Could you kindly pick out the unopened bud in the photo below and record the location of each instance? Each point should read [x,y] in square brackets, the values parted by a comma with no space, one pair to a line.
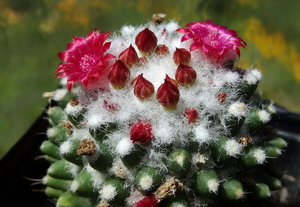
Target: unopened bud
[181,55]
[161,50]
[168,94]
[146,41]
[143,89]
[118,74]
[192,115]
[185,75]
[129,57]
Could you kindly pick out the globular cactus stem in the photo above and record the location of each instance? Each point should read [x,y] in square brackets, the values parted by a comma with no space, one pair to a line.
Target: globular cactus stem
[158,115]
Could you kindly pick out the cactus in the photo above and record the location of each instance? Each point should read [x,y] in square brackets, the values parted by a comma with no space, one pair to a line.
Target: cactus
[158,115]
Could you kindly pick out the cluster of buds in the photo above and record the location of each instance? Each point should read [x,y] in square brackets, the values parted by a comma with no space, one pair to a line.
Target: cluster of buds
[160,116]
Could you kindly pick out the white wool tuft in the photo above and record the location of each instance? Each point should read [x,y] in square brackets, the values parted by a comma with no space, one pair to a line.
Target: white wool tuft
[202,134]
[108,192]
[74,186]
[97,177]
[271,108]
[238,109]
[233,148]
[146,182]
[72,110]
[59,94]
[65,147]
[252,76]
[264,116]
[124,147]
[259,155]
[213,185]
[51,132]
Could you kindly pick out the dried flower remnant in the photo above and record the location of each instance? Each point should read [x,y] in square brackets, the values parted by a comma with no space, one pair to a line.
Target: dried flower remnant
[86,147]
[215,41]
[141,132]
[85,60]
[146,41]
[158,19]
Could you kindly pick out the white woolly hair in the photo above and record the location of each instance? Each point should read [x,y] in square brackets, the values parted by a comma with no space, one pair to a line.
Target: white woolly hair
[146,182]
[108,192]
[264,116]
[51,132]
[259,155]
[74,186]
[252,76]
[213,185]
[238,109]
[124,147]
[59,94]
[97,177]
[233,148]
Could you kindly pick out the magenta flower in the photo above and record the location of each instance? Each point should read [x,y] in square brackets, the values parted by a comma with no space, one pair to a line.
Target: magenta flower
[215,41]
[85,60]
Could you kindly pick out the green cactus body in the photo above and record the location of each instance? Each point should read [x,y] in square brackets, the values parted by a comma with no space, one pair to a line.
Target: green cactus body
[146,118]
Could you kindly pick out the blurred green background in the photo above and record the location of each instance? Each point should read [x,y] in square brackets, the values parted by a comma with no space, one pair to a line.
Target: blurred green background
[32,32]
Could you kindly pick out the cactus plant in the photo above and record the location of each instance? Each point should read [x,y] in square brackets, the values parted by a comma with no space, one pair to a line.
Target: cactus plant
[159,115]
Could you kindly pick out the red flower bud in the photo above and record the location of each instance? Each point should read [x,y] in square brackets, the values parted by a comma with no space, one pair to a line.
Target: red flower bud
[181,55]
[185,75]
[143,60]
[141,132]
[146,41]
[222,97]
[143,89]
[111,107]
[161,50]
[168,94]
[148,201]
[192,115]
[171,80]
[129,56]
[118,74]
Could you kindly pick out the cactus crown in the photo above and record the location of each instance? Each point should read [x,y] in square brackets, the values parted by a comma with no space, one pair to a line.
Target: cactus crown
[153,117]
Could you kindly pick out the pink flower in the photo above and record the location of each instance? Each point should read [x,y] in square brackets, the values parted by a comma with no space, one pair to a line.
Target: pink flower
[215,41]
[85,60]
[141,132]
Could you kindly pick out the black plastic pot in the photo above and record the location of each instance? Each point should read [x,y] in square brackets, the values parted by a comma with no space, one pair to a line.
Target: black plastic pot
[22,162]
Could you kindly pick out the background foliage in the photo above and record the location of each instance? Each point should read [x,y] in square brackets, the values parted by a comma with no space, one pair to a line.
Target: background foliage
[32,32]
